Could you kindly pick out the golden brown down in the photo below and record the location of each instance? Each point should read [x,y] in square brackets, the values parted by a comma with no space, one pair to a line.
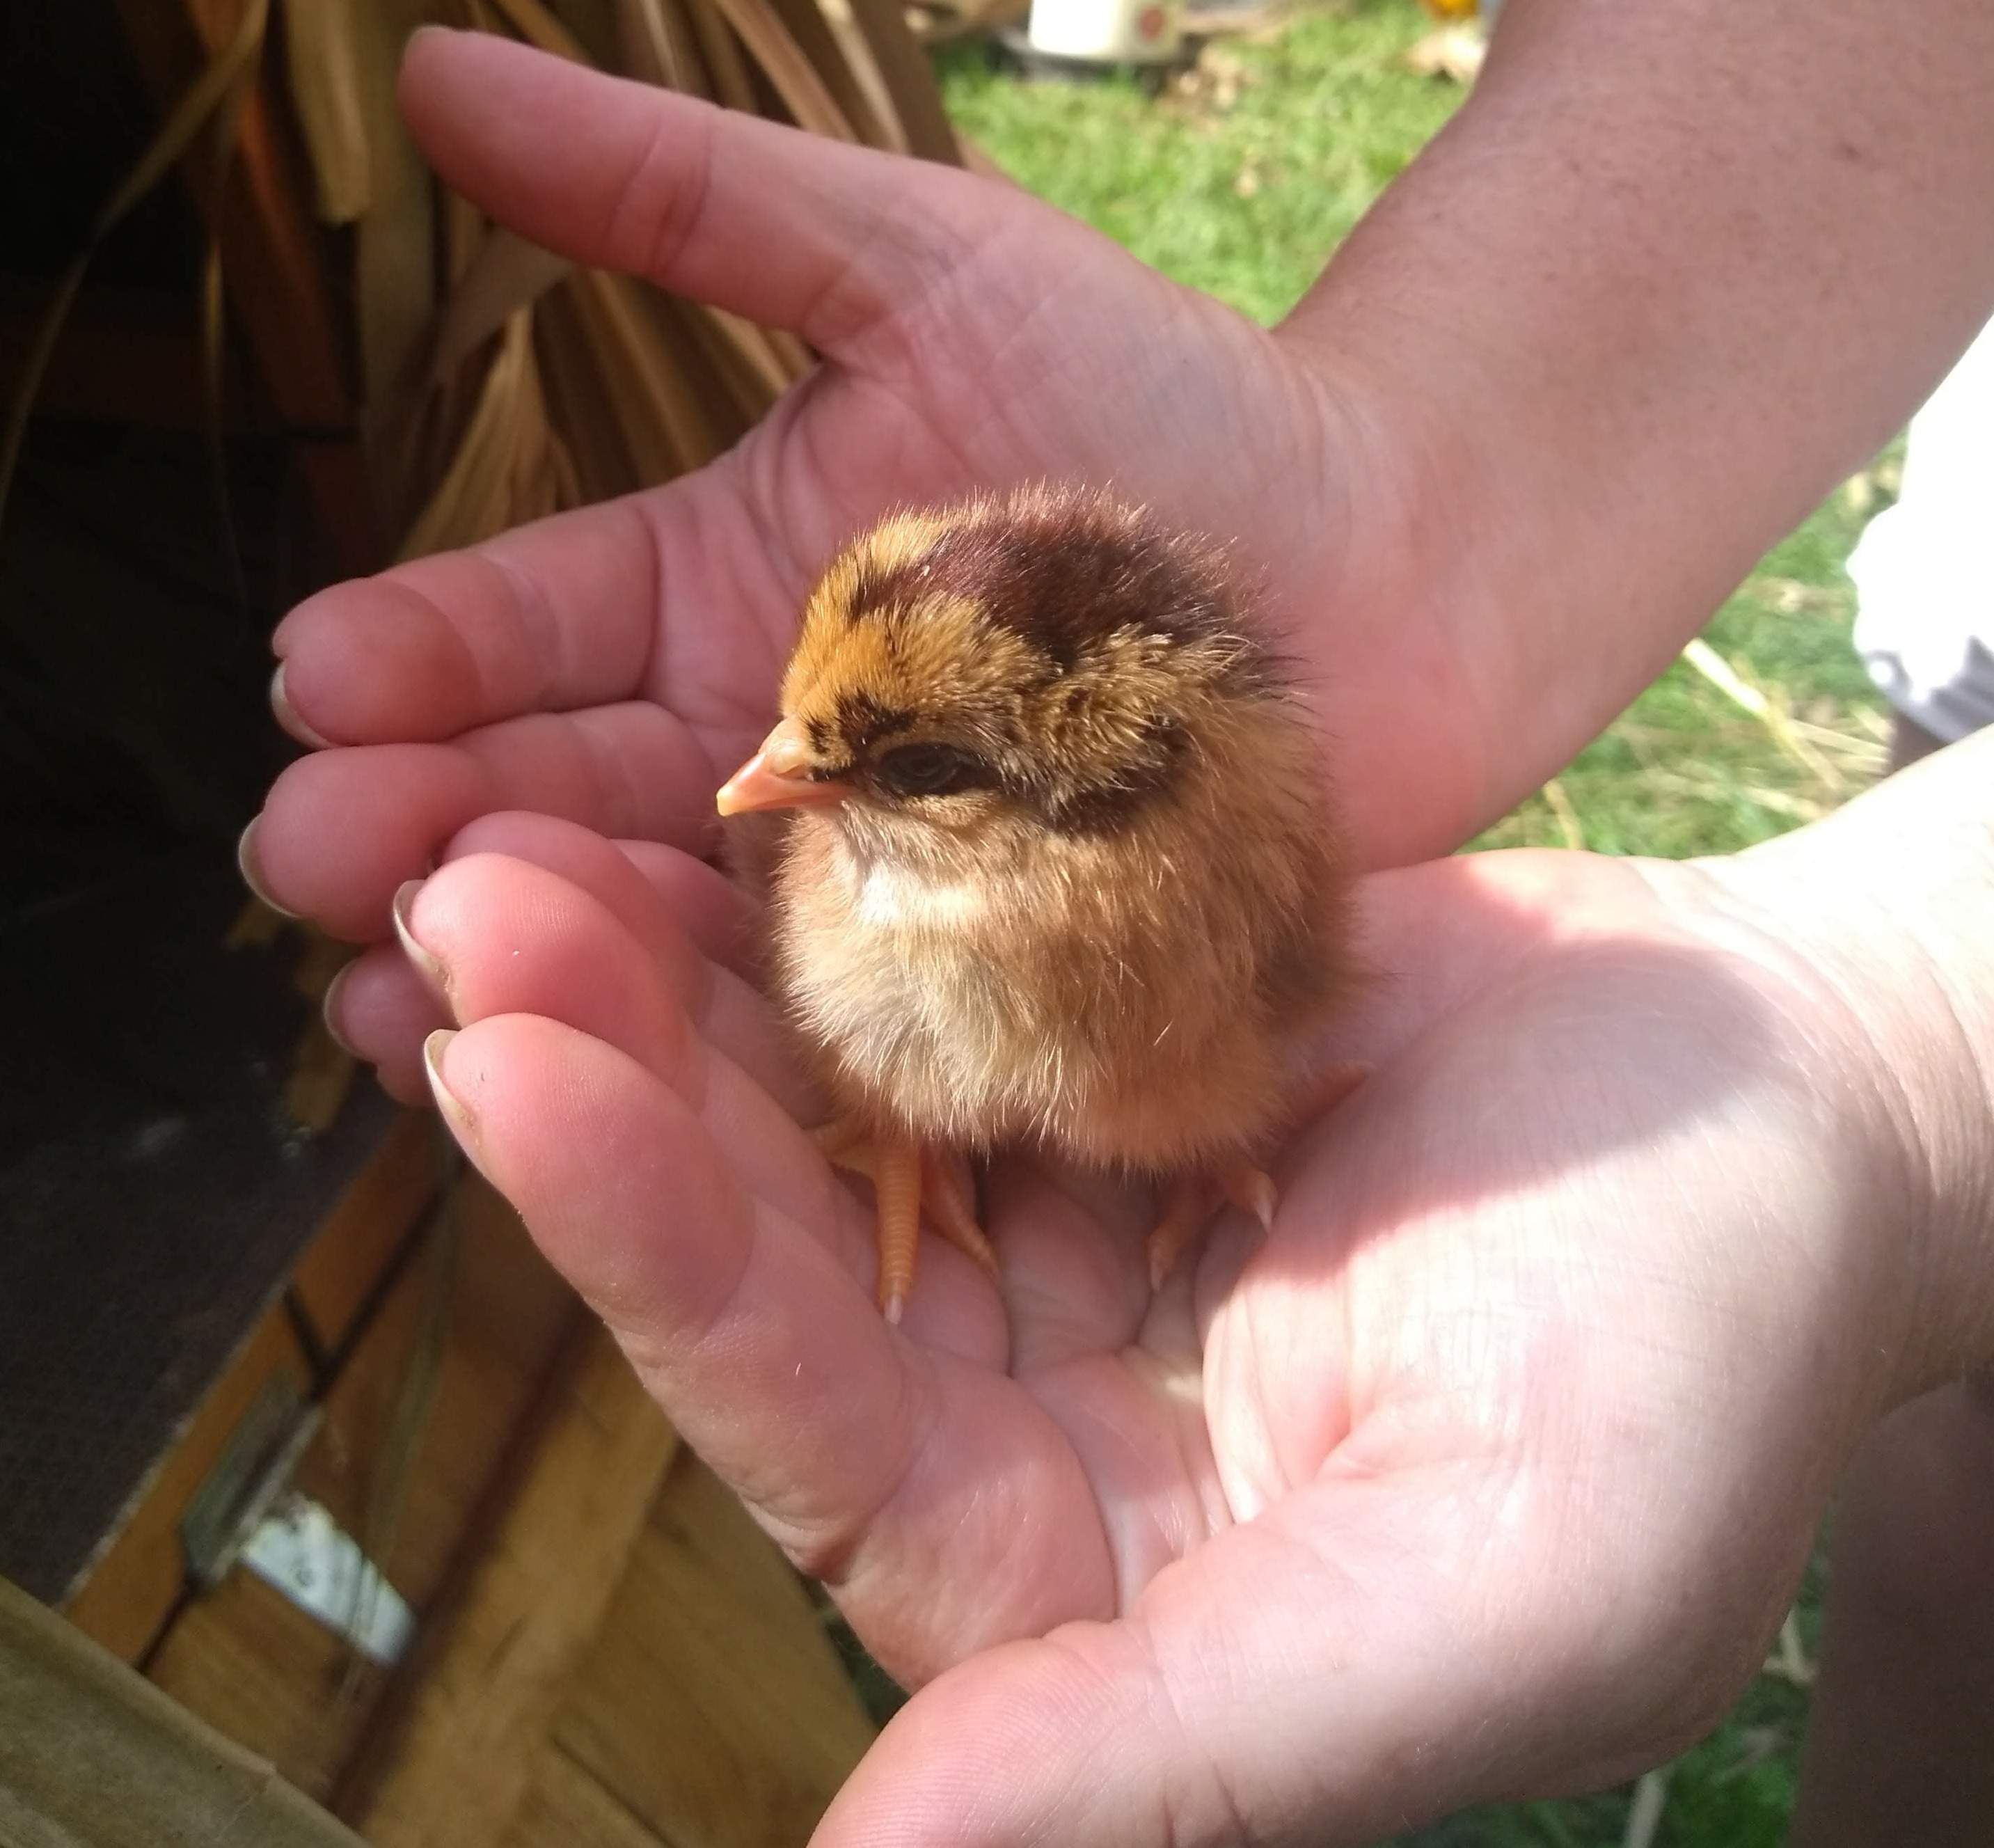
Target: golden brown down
[1061,866]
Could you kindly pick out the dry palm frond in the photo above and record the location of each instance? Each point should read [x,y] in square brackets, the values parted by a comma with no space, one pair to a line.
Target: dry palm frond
[904,71]
[505,274]
[328,93]
[654,45]
[804,92]
[395,279]
[501,448]
[724,58]
[600,384]
[539,26]
[943,22]
[490,381]
[578,400]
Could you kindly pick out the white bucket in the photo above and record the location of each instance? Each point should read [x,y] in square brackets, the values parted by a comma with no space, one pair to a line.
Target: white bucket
[1108,31]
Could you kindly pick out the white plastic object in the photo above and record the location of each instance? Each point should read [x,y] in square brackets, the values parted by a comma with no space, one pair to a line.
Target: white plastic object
[1108,31]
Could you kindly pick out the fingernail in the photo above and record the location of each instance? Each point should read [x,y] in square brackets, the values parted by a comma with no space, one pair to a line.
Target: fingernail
[329,1009]
[287,714]
[431,971]
[452,1106]
[252,868]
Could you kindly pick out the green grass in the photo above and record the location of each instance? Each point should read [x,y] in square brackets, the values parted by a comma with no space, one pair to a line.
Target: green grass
[1323,117]
[1241,184]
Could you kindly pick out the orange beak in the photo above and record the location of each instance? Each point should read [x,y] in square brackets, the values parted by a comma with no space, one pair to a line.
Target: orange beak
[778,776]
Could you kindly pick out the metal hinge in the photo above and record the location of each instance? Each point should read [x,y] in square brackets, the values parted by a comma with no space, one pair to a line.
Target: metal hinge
[247,1512]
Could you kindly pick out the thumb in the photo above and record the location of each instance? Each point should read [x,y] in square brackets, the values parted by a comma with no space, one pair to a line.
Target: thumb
[789,229]
[1323,1675]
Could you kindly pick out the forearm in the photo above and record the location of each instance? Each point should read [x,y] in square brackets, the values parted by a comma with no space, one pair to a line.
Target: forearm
[1672,269]
[1892,901]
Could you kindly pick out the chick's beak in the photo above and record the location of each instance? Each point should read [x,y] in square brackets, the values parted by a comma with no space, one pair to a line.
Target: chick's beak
[778,776]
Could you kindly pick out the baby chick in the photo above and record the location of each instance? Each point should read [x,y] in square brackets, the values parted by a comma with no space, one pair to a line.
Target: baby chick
[1060,868]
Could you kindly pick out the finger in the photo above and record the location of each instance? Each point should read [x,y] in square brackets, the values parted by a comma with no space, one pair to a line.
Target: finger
[342,830]
[501,935]
[725,1009]
[717,914]
[572,930]
[763,1347]
[686,897]
[750,1330]
[868,1458]
[379,1010]
[1367,1663]
[828,240]
[553,615]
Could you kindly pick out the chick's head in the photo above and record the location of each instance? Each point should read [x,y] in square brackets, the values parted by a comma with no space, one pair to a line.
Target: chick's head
[1051,659]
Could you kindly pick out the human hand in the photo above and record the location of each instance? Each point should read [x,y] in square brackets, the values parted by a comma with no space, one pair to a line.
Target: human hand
[1489,1473]
[613,664]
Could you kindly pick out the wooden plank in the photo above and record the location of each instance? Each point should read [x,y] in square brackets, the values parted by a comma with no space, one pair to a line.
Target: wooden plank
[91,1757]
[713,1707]
[351,1254]
[451,1768]
[266,1674]
[132,1589]
[246,1661]
[565,1807]
[508,1316]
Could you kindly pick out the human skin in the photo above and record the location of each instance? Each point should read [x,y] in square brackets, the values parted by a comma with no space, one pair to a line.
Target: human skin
[1634,311]
[1668,271]
[1490,1473]
[1896,1744]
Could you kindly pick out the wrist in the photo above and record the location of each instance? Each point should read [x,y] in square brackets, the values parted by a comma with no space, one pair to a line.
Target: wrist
[1394,606]
[1892,902]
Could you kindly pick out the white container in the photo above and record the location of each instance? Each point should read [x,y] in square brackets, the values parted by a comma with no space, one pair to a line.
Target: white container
[1107,31]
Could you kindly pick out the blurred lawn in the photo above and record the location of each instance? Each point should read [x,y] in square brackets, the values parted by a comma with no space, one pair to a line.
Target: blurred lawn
[1240,182]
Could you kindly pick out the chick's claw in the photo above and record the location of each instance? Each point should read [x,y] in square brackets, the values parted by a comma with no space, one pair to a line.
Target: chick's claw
[1191,1201]
[1186,1208]
[908,1179]
[1252,1190]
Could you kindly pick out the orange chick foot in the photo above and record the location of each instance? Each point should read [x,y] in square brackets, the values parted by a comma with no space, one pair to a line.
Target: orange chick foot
[909,1180]
[1192,1200]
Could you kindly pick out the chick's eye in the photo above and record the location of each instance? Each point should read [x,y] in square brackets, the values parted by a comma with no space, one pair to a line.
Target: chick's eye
[925,769]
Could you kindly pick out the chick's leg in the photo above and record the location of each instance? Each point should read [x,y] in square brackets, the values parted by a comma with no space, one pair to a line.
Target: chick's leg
[950,1198]
[1189,1202]
[907,1177]
[896,1190]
